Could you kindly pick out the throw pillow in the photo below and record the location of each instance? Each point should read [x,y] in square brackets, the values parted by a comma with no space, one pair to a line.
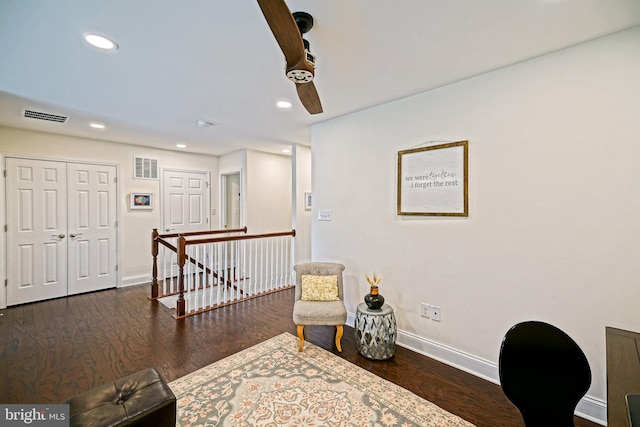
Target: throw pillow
[319,288]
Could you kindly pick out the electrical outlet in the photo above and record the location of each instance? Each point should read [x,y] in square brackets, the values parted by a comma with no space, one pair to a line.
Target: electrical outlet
[435,313]
[424,310]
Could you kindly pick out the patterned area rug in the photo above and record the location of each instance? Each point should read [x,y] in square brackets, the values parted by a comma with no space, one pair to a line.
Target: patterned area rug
[271,384]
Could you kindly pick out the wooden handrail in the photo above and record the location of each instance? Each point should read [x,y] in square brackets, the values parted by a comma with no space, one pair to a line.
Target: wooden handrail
[202,233]
[234,238]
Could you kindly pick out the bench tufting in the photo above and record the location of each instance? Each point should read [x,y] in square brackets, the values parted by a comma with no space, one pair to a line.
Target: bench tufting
[141,399]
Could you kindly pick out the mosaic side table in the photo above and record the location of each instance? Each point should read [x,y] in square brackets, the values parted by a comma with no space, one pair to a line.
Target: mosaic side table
[376,332]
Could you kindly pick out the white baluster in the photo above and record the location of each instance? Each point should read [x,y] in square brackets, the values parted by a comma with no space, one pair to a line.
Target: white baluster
[218,264]
[164,270]
[276,242]
[211,278]
[187,282]
[263,266]
[202,276]
[250,275]
[244,267]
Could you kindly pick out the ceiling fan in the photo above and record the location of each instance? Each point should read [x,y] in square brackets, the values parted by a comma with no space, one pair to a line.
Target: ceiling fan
[288,29]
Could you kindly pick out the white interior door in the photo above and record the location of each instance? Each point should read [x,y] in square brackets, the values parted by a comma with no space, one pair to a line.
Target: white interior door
[92,227]
[36,230]
[185,201]
[61,229]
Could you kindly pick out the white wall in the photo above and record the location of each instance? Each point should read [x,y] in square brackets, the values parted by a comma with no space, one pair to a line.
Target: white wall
[268,192]
[553,231]
[135,226]
[301,163]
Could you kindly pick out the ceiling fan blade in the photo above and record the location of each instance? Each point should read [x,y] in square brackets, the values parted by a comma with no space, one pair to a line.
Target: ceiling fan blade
[284,28]
[309,96]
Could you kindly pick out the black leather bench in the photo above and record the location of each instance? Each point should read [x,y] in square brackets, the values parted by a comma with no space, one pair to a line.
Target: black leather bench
[141,399]
[633,408]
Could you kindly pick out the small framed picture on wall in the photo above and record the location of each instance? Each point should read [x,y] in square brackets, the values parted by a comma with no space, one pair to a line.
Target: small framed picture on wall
[141,201]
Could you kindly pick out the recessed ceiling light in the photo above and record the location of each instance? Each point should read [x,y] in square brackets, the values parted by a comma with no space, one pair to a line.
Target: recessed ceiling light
[96,125]
[181,145]
[286,150]
[204,124]
[100,42]
[283,104]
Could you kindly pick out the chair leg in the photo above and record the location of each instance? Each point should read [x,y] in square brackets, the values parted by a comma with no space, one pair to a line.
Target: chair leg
[339,332]
[301,337]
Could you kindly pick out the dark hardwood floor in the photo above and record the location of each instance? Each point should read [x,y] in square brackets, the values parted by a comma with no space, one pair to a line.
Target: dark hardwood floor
[55,349]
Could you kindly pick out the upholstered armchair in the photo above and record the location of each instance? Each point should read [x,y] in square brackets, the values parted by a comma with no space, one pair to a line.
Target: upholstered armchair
[319,298]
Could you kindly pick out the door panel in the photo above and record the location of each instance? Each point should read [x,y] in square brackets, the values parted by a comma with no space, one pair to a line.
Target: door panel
[36,230]
[175,211]
[195,209]
[92,227]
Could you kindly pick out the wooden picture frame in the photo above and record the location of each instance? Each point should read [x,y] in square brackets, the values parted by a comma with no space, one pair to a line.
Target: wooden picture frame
[434,180]
[141,201]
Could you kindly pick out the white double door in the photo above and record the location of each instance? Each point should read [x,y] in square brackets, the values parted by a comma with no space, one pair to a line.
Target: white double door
[61,229]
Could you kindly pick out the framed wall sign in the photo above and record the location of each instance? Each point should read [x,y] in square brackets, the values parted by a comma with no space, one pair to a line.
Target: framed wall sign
[433,181]
[141,201]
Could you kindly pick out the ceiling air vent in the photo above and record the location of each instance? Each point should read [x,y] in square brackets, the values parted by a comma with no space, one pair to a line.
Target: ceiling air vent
[30,114]
[145,168]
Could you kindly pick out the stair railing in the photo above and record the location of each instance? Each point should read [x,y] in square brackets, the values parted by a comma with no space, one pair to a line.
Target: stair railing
[204,273]
[164,250]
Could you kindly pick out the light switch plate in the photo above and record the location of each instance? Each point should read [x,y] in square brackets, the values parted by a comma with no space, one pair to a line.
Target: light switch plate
[324,215]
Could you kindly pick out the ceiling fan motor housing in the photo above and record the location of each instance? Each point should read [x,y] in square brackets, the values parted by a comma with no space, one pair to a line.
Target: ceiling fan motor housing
[300,76]
[303,71]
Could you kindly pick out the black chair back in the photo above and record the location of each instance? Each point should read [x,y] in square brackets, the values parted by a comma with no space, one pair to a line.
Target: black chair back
[544,373]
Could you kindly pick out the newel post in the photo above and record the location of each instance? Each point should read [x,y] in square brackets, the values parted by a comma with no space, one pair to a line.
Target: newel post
[180,305]
[154,273]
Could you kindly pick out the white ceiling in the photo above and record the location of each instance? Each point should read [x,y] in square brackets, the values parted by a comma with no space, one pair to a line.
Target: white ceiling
[183,60]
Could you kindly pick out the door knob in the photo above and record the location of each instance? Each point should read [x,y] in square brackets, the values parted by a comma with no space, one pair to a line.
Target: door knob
[169,229]
[75,234]
[61,236]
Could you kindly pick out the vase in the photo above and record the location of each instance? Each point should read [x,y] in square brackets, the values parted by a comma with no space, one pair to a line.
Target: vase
[373,299]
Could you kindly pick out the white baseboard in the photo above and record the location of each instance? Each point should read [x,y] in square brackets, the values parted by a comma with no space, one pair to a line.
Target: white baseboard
[458,359]
[135,280]
[590,408]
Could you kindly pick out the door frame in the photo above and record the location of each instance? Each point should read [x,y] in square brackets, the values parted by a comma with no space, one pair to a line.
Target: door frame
[161,195]
[3,215]
[223,197]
